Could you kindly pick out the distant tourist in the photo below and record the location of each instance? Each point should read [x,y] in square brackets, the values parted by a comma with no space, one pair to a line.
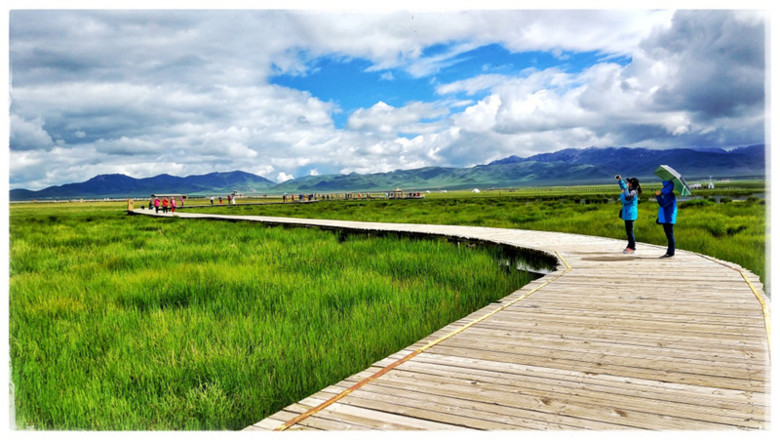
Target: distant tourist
[212,200]
[156,205]
[667,215]
[629,197]
[220,200]
[182,202]
[173,204]
[165,205]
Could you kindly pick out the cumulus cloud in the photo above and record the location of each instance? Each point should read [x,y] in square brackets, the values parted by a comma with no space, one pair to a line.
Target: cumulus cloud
[718,64]
[29,134]
[671,92]
[283,177]
[263,170]
[144,92]
[386,119]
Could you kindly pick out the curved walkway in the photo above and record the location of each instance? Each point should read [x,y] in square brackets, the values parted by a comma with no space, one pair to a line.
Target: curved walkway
[606,341]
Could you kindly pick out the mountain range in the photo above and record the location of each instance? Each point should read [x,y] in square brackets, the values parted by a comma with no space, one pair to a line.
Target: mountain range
[119,186]
[570,166]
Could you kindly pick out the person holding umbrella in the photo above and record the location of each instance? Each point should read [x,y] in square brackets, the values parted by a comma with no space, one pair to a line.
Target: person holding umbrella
[629,197]
[667,215]
[667,203]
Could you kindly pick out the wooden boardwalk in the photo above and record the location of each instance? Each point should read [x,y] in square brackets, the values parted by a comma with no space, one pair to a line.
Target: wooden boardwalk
[606,341]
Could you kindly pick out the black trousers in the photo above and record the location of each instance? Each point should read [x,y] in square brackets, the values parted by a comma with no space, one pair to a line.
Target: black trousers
[669,231]
[630,234]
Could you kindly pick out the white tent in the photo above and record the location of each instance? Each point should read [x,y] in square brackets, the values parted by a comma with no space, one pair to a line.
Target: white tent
[475,190]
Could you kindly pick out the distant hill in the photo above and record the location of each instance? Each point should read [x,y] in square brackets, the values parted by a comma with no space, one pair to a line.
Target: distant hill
[119,185]
[641,162]
[570,166]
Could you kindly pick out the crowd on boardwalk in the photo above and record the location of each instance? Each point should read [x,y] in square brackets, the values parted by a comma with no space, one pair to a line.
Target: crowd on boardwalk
[165,204]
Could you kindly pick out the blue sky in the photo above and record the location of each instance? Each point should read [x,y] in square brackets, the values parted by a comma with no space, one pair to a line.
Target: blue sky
[351,84]
[289,93]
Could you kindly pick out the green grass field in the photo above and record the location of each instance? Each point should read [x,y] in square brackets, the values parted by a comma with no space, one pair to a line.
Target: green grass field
[133,323]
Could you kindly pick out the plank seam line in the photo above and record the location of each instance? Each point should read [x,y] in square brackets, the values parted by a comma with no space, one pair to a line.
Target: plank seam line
[386,369]
[764,307]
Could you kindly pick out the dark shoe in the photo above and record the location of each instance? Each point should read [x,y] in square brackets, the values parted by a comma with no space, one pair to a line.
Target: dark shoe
[666,256]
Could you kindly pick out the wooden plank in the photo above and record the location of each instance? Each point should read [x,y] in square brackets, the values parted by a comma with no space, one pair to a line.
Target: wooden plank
[649,408]
[410,408]
[267,424]
[542,403]
[659,402]
[738,353]
[516,418]
[723,398]
[754,342]
[375,419]
[573,293]
[624,321]
[695,317]
[283,416]
[615,346]
[467,342]
[325,424]
[607,368]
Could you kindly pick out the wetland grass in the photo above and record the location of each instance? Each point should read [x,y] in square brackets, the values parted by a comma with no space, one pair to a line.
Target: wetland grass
[133,323]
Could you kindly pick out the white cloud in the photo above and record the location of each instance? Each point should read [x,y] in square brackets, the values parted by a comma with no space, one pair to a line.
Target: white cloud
[29,135]
[480,117]
[283,177]
[314,172]
[263,171]
[189,91]
[386,119]
[398,40]
[472,85]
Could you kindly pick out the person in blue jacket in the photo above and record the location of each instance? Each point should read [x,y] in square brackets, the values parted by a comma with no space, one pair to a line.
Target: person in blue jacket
[667,214]
[629,197]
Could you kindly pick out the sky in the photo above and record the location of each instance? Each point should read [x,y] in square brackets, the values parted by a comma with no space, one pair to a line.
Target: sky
[290,93]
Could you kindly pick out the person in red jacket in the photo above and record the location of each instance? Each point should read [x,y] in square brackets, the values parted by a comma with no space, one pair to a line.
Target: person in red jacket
[165,205]
[173,205]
